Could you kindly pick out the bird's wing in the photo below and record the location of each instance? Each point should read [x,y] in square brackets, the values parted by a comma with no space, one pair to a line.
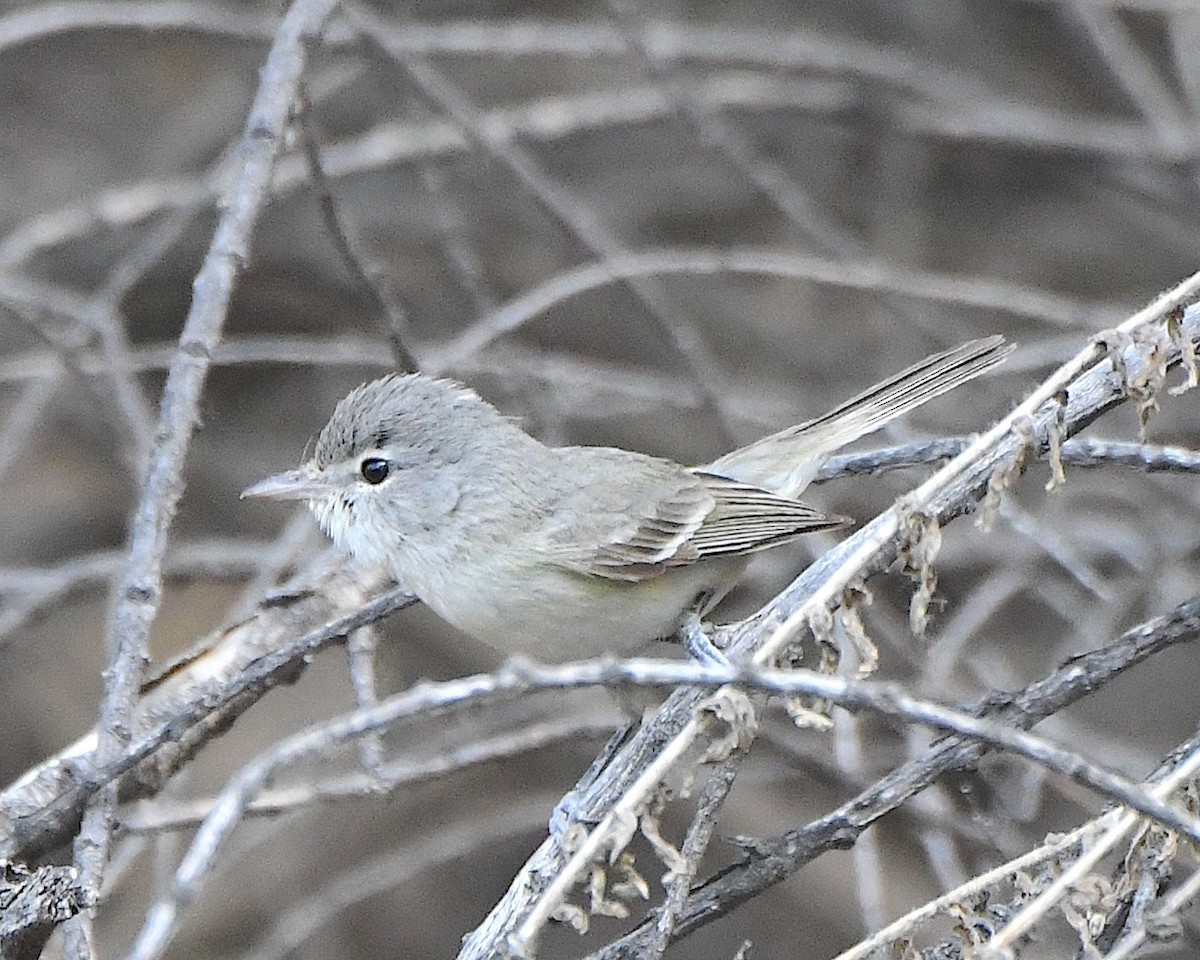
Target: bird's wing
[667,516]
[746,518]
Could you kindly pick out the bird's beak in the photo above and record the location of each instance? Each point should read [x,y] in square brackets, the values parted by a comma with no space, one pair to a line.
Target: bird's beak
[302,484]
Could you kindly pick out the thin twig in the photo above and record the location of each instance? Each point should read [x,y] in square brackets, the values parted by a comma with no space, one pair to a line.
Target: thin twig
[736,147]
[390,316]
[1135,71]
[360,648]
[388,870]
[854,273]
[160,817]
[686,337]
[193,701]
[463,259]
[1032,911]
[679,883]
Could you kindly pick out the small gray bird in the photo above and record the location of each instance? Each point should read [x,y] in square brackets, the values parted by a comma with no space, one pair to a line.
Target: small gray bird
[567,552]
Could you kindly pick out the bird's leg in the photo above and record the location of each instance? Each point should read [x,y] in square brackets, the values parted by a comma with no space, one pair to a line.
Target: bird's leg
[695,640]
[567,811]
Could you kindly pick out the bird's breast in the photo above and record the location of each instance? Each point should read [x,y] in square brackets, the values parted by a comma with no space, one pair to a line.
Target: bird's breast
[553,615]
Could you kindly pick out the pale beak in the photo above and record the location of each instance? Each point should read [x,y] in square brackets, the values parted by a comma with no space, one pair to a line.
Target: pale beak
[300,484]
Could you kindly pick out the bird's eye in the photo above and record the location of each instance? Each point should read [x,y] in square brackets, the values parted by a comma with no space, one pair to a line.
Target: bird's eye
[375,470]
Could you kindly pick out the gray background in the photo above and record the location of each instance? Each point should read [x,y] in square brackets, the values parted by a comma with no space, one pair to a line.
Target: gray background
[1041,155]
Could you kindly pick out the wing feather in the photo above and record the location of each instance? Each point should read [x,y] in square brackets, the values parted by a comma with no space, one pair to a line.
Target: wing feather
[747,518]
[681,517]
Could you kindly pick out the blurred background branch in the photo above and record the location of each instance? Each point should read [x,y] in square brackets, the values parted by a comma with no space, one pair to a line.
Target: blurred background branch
[667,227]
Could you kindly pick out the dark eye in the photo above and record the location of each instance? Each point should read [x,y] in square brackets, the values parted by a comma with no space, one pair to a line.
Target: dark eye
[375,470]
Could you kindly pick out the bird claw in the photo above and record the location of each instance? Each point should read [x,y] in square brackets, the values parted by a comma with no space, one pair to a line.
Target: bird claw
[698,645]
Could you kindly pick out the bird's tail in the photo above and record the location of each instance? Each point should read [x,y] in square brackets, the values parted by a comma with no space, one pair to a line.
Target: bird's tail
[786,462]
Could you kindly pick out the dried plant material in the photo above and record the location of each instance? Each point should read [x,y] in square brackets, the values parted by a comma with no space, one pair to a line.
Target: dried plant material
[667,852]
[807,717]
[598,902]
[1082,923]
[920,544]
[808,712]
[624,827]
[791,654]
[573,915]
[1187,352]
[1155,846]
[1148,861]
[1144,387]
[1005,475]
[1113,344]
[572,837]
[687,784]
[611,887]
[734,709]
[1086,909]
[865,650]
[627,883]
[820,622]
[973,925]
[831,654]
[1060,850]
[1055,433]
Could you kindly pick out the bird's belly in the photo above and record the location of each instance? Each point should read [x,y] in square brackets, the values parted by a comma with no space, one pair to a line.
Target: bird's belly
[573,616]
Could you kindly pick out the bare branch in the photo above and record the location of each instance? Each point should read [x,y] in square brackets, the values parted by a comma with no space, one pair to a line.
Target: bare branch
[768,862]
[520,678]
[139,591]
[193,701]
[390,315]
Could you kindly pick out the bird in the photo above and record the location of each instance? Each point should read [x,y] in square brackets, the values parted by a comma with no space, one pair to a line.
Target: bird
[564,552]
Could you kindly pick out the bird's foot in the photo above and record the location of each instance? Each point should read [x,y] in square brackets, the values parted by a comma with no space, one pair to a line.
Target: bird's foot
[696,642]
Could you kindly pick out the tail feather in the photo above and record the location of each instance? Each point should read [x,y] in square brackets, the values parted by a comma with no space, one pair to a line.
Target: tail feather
[785,462]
